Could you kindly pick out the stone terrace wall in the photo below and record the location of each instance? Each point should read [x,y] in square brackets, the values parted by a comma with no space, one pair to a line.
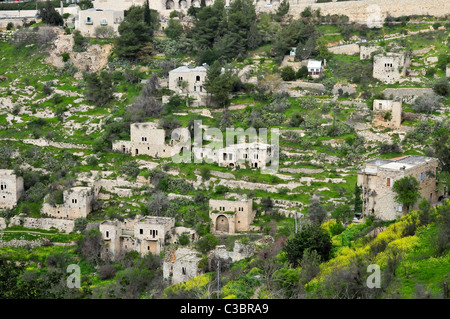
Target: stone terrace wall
[408,95]
[44,223]
[369,10]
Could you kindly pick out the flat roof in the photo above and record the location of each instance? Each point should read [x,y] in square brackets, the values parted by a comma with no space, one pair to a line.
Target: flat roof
[314,64]
[407,161]
[187,69]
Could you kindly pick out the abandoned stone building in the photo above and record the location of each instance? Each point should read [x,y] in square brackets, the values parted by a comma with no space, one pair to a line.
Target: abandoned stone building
[188,80]
[387,113]
[143,234]
[390,67]
[147,139]
[11,188]
[256,155]
[77,202]
[378,176]
[230,217]
[90,19]
[181,265]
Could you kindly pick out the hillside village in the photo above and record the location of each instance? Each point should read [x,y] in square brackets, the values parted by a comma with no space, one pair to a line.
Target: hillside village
[274,148]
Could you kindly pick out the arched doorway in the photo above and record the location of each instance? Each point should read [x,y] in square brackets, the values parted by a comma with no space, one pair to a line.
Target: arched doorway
[222,224]
[170,5]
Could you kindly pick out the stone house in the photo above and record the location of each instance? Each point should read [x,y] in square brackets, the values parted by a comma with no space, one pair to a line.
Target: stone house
[90,19]
[390,67]
[181,265]
[230,217]
[315,68]
[189,80]
[387,113]
[256,155]
[11,188]
[147,139]
[378,176]
[77,202]
[143,234]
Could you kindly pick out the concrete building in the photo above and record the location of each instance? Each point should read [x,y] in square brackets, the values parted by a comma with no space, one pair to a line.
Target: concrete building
[378,176]
[90,19]
[77,203]
[231,217]
[181,265]
[256,155]
[188,80]
[147,139]
[387,113]
[11,188]
[144,235]
[315,68]
[390,67]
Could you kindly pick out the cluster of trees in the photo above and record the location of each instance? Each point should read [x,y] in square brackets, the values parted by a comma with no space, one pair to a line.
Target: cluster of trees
[136,33]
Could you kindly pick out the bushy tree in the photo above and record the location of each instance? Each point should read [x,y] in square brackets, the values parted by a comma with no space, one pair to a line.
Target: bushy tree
[98,88]
[407,191]
[310,237]
[134,42]
[50,15]
[426,103]
[288,73]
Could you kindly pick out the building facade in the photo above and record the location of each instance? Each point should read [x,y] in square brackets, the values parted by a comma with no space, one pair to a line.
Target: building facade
[188,80]
[11,188]
[90,19]
[256,155]
[230,217]
[377,178]
[77,202]
[147,139]
[390,67]
[144,235]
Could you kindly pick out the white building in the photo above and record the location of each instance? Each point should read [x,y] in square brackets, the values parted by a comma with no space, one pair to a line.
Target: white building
[90,19]
[188,80]
[315,68]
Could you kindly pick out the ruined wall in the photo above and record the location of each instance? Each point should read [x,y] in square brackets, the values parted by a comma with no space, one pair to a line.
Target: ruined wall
[43,223]
[181,265]
[383,107]
[349,49]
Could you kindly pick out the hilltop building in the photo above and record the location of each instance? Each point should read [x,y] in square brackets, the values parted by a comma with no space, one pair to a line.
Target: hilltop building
[90,19]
